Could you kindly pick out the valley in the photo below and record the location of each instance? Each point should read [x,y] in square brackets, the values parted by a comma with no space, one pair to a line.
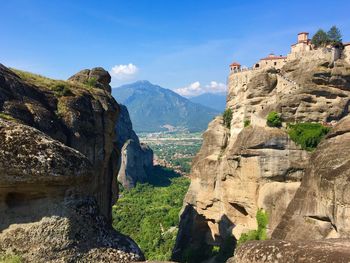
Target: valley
[149,212]
[173,150]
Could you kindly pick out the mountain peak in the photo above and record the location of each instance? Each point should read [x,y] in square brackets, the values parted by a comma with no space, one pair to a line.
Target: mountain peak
[152,108]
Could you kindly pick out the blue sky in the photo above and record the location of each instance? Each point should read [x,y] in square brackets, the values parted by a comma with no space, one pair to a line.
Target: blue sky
[173,43]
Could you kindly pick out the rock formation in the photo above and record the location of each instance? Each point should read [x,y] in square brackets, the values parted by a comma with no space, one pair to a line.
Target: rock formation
[58,168]
[321,206]
[136,158]
[319,210]
[240,170]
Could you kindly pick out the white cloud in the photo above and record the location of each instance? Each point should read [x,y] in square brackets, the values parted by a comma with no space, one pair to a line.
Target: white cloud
[124,71]
[195,89]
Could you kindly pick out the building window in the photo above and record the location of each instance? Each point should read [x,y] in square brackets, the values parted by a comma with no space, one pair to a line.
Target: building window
[275,63]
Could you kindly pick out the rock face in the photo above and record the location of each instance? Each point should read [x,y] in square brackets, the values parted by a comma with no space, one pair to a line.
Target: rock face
[97,77]
[325,251]
[136,158]
[58,168]
[239,170]
[321,206]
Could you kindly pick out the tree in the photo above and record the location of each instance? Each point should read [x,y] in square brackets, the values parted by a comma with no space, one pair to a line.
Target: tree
[320,38]
[274,119]
[334,36]
[227,115]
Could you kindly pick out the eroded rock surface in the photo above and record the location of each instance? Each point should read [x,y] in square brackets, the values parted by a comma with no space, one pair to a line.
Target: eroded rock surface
[278,251]
[321,206]
[58,169]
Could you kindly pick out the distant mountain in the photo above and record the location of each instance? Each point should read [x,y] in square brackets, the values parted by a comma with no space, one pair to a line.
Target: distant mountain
[214,101]
[153,108]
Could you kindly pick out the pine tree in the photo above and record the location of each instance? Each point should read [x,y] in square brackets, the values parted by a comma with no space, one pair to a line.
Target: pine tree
[334,36]
[320,38]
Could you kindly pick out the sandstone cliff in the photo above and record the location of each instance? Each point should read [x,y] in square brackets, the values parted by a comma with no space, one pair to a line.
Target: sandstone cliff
[136,158]
[58,169]
[239,170]
[319,210]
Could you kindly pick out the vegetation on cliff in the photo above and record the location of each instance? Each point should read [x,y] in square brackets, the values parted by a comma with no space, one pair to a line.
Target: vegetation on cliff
[306,134]
[259,234]
[149,213]
[274,119]
[227,115]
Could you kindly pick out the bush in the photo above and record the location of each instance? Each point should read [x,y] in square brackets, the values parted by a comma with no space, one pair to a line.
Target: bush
[227,115]
[306,134]
[274,119]
[246,123]
[61,90]
[259,234]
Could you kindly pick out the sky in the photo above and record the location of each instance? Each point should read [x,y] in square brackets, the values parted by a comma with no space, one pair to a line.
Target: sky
[184,45]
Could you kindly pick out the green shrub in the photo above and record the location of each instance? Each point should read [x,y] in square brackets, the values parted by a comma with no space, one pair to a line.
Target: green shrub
[91,82]
[62,89]
[10,258]
[259,234]
[306,134]
[274,119]
[227,115]
[246,123]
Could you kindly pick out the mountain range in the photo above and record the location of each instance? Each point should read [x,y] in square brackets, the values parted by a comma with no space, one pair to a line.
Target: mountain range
[153,108]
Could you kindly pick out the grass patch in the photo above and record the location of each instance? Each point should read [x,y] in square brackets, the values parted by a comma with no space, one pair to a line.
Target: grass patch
[10,258]
[246,123]
[6,117]
[258,234]
[62,90]
[306,134]
[149,213]
[59,87]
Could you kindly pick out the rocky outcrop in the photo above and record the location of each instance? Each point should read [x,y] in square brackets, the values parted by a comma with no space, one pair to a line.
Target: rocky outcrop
[136,158]
[239,170]
[321,206]
[97,77]
[325,251]
[58,168]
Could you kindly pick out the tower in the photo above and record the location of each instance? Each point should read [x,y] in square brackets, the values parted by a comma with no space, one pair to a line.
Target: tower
[234,67]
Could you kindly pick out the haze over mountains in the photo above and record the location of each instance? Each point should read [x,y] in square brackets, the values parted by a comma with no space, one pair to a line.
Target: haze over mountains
[211,100]
[153,108]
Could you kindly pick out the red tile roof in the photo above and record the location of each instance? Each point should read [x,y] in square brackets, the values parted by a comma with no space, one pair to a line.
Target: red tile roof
[235,64]
[303,33]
